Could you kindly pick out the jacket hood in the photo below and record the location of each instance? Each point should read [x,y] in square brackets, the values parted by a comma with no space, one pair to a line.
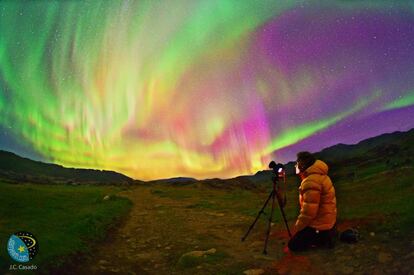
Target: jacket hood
[319,167]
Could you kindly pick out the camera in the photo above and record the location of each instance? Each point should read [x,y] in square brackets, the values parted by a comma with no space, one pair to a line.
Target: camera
[278,168]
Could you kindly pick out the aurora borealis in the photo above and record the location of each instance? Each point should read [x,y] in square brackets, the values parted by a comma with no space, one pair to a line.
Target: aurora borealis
[157,89]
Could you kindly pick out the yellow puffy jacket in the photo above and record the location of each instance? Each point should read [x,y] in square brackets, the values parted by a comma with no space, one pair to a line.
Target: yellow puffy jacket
[317,199]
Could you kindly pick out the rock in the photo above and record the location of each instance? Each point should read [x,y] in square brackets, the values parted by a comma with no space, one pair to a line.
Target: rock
[263,257]
[103,262]
[199,253]
[215,214]
[107,197]
[347,270]
[199,267]
[115,270]
[376,247]
[384,257]
[372,234]
[254,272]
[168,247]
[194,258]
[211,251]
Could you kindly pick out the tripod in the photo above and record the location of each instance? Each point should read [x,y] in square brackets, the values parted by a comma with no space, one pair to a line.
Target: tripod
[277,169]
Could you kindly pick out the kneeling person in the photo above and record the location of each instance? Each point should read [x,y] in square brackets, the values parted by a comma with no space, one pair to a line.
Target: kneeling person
[315,225]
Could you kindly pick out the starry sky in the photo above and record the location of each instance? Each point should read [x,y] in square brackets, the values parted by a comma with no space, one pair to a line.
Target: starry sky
[209,88]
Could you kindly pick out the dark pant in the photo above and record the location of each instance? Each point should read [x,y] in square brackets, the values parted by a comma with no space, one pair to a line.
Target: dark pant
[310,237]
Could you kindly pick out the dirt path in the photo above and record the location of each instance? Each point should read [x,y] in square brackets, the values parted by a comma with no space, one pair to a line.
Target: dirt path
[160,229]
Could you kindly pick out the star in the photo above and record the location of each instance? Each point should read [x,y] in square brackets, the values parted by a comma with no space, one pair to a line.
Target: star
[21,249]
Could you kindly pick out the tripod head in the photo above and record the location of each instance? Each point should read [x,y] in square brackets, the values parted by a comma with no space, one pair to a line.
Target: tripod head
[278,169]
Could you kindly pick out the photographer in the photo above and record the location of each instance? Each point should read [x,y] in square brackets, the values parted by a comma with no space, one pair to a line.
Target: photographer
[315,225]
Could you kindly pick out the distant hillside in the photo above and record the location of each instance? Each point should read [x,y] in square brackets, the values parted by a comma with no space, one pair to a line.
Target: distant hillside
[385,152]
[382,153]
[390,145]
[18,169]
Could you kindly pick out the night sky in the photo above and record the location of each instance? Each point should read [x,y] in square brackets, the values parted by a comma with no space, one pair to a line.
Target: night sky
[157,89]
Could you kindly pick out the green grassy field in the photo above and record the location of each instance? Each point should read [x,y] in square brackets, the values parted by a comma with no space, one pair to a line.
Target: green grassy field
[383,200]
[65,219]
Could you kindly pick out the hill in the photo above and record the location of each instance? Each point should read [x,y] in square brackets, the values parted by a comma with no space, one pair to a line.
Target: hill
[397,144]
[14,168]
[382,153]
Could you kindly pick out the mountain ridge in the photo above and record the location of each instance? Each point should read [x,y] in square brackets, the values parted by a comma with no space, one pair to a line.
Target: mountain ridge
[16,168]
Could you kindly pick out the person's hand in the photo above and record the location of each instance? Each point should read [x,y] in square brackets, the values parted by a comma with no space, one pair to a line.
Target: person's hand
[286,250]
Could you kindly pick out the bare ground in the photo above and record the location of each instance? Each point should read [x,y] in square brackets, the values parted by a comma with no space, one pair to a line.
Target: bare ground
[160,229]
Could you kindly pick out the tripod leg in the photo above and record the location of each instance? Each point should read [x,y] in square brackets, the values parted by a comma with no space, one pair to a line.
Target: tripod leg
[270,222]
[257,217]
[284,216]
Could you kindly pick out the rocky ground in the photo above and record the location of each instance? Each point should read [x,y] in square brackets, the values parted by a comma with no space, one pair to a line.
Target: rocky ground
[173,235]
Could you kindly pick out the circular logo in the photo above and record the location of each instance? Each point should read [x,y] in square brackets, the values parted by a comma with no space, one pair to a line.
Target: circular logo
[22,246]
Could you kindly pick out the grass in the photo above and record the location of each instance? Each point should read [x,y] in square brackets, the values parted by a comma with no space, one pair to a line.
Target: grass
[65,219]
[387,196]
[383,197]
[68,219]
[176,193]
